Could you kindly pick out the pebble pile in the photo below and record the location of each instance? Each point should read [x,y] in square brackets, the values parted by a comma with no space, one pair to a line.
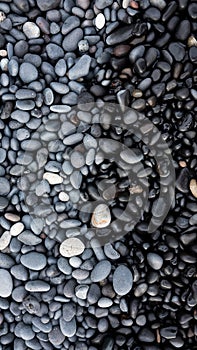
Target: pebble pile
[61,62]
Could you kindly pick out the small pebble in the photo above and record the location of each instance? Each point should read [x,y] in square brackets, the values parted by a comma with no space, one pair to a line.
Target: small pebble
[71,247]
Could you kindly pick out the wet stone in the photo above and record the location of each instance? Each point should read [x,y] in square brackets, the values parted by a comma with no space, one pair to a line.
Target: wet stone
[122,280]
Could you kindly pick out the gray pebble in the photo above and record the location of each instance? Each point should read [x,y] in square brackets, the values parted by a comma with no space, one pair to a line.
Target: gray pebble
[68,328]
[61,68]
[4,186]
[69,311]
[70,23]
[6,284]
[70,42]
[20,116]
[101,271]
[37,286]
[60,88]
[45,5]
[34,261]
[101,4]
[155,261]
[2,155]
[81,68]
[56,337]
[28,72]
[77,159]
[122,280]
[54,51]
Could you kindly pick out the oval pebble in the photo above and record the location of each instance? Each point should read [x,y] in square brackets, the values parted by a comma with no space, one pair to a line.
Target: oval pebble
[34,261]
[7,285]
[101,271]
[122,280]
[5,240]
[53,179]
[71,247]
[31,30]
[155,261]
[37,286]
[101,216]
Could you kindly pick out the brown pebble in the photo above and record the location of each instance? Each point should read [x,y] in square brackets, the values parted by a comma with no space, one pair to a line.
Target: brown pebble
[193,187]
[137,93]
[134,4]
[192,41]
[182,164]
[121,50]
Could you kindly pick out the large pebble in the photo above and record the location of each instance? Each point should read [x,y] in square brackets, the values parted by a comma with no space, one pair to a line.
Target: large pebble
[37,286]
[31,30]
[81,68]
[45,5]
[193,187]
[100,21]
[101,4]
[5,240]
[53,179]
[54,51]
[155,261]
[28,72]
[101,216]
[122,280]
[101,271]
[71,247]
[6,284]
[71,40]
[68,328]
[4,186]
[34,261]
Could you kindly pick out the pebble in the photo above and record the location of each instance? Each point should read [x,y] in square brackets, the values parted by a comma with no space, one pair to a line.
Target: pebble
[155,261]
[193,187]
[56,337]
[34,261]
[31,30]
[71,40]
[101,271]
[71,247]
[130,156]
[5,240]
[68,328]
[70,23]
[7,285]
[83,45]
[28,72]
[54,51]
[81,68]
[101,216]
[4,186]
[53,179]
[37,286]
[102,4]
[122,280]
[46,5]
[77,159]
[177,50]
[100,21]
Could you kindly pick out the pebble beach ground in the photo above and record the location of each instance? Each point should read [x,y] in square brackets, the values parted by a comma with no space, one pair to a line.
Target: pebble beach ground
[81,267]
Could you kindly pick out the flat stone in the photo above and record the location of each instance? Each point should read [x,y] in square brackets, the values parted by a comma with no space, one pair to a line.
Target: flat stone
[54,51]
[122,280]
[34,261]
[56,337]
[4,186]
[71,247]
[70,23]
[28,72]
[155,261]
[101,216]
[31,30]
[37,286]
[68,328]
[81,68]
[6,284]
[101,271]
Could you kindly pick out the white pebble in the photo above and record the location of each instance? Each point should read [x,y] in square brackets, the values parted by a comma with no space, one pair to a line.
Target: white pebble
[100,21]
[71,247]
[53,179]
[2,16]
[12,217]
[31,30]
[16,229]
[125,4]
[101,216]
[63,196]
[5,240]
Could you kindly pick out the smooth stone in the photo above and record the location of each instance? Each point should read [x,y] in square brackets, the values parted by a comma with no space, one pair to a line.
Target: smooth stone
[193,187]
[25,94]
[46,5]
[169,332]
[68,328]
[192,10]
[155,261]
[54,51]
[146,335]
[4,186]
[60,88]
[71,247]
[60,108]
[28,238]
[161,4]
[3,203]
[31,30]
[70,23]
[136,53]
[101,271]
[81,291]
[77,159]
[102,4]
[105,302]
[61,68]
[100,21]
[22,5]
[122,280]
[28,72]
[37,286]
[81,68]
[56,337]
[83,45]
[69,311]
[130,156]
[48,96]
[183,30]
[25,105]
[101,216]
[64,266]
[6,262]
[5,240]
[2,155]
[159,207]
[71,40]
[6,284]
[153,14]
[182,182]
[193,54]
[53,179]
[34,261]
[177,50]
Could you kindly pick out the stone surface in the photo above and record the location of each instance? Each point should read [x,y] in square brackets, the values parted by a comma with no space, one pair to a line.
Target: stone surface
[34,261]
[28,72]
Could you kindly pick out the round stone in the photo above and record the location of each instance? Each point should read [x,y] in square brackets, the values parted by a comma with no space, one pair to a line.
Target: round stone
[71,247]
[101,217]
[6,284]
[155,261]
[34,261]
[31,30]
[77,159]
[5,240]
[28,72]
[122,280]
[101,271]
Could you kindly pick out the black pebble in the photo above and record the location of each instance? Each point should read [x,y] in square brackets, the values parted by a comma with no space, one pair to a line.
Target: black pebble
[183,30]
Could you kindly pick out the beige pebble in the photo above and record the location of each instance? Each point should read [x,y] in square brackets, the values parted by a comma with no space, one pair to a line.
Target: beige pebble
[182,164]
[71,247]
[101,216]
[3,53]
[53,179]
[2,16]
[193,187]
[63,196]
[5,240]
[192,41]
[12,217]
[17,228]
[4,64]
